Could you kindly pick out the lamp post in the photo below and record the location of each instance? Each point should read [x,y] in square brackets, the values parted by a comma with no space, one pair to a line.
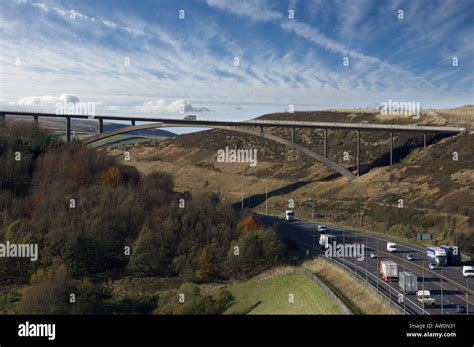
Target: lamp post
[423,284]
[442,306]
[266,199]
[377,265]
[365,255]
[467,295]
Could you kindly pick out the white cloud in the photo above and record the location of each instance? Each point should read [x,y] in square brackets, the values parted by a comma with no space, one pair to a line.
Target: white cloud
[45,100]
[6,24]
[68,98]
[37,100]
[40,5]
[74,15]
[109,24]
[254,9]
[163,106]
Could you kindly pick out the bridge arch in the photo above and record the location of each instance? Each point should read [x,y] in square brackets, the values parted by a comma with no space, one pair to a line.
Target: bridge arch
[330,163]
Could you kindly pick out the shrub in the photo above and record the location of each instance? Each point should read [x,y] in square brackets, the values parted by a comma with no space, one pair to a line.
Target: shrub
[50,293]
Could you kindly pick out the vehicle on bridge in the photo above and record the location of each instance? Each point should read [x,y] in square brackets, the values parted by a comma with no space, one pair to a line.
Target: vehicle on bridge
[424,296]
[327,239]
[392,247]
[190,117]
[453,254]
[389,270]
[289,215]
[408,282]
[437,255]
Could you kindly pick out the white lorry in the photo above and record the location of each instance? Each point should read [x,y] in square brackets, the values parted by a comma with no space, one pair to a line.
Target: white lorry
[424,296]
[388,270]
[326,239]
[408,282]
[289,215]
[437,255]
[392,247]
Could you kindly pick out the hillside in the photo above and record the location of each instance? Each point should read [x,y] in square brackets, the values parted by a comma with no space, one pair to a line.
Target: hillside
[438,192]
[87,126]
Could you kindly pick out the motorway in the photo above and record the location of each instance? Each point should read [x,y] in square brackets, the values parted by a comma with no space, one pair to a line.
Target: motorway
[447,286]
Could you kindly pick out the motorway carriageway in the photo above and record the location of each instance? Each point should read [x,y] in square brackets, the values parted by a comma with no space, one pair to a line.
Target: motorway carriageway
[452,286]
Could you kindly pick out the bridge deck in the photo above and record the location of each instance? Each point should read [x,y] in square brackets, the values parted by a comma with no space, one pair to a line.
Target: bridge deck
[260,123]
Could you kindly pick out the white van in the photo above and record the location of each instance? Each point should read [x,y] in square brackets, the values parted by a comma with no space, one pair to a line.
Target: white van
[392,247]
[468,271]
[289,215]
[322,228]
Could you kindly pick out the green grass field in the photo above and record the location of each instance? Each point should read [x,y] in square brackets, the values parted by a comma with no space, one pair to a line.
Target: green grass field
[271,296]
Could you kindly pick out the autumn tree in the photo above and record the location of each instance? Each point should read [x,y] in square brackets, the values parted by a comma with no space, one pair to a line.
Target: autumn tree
[249,225]
[205,269]
[111,177]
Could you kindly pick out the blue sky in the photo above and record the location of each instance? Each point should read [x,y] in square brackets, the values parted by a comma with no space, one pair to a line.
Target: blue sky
[45,53]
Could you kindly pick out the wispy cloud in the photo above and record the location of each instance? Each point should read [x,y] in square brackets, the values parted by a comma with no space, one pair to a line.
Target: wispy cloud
[138,62]
[164,106]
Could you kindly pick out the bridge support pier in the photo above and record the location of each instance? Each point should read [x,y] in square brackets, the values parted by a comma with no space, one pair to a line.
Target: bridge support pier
[358,153]
[424,140]
[325,143]
[35,119]
[101,125]
[133,122]
[261,131]
[391,148]
[2,119]
[293,135]
[68,129]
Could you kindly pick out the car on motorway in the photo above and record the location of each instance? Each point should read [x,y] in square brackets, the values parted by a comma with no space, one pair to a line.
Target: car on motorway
[434,266]
[460,309]
[373,255]
[322,228]
[468,271]
[410,257]
[190,117]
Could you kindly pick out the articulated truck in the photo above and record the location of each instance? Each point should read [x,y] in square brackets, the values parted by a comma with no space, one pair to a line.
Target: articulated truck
[453,254]
[436,255]
[388,270]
